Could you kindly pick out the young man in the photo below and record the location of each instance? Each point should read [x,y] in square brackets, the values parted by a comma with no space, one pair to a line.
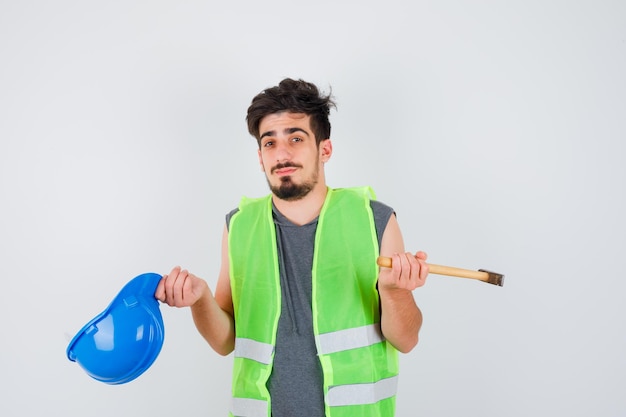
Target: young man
[314,323]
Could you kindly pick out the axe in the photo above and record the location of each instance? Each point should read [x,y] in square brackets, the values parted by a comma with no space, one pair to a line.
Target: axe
[481,275]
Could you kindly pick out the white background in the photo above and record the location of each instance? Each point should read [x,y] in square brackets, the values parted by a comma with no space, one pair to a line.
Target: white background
[496,129]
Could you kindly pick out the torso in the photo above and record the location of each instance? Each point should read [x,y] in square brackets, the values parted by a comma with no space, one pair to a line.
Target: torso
[296,381]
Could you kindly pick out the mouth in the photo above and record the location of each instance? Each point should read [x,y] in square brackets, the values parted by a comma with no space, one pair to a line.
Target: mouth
[284,169]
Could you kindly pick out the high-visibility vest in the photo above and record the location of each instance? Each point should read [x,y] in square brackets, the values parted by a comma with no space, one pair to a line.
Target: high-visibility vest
[360,368]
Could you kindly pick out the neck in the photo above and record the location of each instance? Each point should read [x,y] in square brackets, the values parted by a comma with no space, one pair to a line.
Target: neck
[304,210]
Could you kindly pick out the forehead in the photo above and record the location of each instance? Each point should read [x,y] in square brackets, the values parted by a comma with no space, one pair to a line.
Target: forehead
[282,120]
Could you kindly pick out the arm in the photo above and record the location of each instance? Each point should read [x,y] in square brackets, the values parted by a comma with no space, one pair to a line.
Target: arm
[212,315]
[401,318]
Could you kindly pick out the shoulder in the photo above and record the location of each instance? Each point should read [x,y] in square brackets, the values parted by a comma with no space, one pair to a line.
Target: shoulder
[381,210]
[247,202]
[230,215]
[382,214]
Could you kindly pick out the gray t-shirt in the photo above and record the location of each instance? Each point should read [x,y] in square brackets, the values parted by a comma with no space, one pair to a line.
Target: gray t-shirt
[296,381]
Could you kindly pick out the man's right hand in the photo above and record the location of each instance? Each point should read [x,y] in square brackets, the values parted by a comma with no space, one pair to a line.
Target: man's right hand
[180,288]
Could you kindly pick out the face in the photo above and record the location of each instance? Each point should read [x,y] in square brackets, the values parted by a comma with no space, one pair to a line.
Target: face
[290,157]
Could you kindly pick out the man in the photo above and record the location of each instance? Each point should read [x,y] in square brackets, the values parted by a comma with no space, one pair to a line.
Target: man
[314,323]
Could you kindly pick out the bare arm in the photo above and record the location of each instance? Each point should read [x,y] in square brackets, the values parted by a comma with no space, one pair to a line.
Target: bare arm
[212,315]
[401,318]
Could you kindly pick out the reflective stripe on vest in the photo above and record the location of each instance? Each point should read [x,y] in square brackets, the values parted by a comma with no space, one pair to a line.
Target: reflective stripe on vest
[256,351]
[328,343]
[357,394]
[246,407]
[349,339]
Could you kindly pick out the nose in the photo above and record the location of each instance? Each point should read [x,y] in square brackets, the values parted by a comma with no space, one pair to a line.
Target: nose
[283,152]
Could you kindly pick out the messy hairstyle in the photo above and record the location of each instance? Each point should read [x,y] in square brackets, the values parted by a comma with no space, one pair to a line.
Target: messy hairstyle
[294,96]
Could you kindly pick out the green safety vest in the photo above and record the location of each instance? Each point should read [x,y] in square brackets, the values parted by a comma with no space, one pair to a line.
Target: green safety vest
[360,368]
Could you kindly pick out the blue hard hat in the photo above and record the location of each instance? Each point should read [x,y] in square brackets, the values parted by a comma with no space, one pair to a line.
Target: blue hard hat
[124,340]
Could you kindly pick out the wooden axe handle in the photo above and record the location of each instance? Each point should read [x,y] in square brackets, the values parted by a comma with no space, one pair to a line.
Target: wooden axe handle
[443,270]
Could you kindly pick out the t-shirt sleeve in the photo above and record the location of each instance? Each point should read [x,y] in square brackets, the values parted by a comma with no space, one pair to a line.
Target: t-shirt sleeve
[230,215]
[382,214]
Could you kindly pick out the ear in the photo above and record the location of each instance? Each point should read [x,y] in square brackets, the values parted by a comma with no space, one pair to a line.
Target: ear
[326,150]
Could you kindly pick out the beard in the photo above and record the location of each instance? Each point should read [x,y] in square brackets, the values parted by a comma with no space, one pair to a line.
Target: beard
[288,190]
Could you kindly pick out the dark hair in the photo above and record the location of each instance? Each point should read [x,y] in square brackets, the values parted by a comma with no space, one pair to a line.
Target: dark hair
[294,96]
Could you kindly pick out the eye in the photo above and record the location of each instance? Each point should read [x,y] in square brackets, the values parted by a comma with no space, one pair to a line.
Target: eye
[268,143]
[296,139]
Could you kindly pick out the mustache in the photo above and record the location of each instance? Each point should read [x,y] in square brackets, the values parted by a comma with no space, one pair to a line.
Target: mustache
[285,165]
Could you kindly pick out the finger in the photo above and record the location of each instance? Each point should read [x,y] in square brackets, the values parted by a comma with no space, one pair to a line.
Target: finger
[187,290]
[423,271]
[410,271]
[178,287]
[416,265]
[159,293]
[421,255]
[405,267]
[169,285]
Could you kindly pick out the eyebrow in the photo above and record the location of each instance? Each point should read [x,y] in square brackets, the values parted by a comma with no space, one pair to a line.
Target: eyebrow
[287,131]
